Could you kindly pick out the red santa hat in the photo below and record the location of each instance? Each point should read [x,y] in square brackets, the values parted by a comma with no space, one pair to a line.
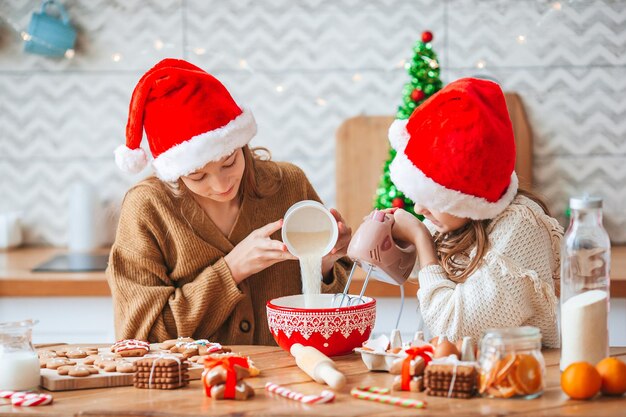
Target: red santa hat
[189,117]
[456,153]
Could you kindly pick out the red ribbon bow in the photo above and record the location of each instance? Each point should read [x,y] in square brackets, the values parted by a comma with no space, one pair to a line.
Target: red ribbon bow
[228,362]
[413,353]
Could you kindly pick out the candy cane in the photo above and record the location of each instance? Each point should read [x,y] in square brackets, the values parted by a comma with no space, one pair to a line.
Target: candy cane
[324,397]
[370,394]
[26,399]
[7,394]
[375,390]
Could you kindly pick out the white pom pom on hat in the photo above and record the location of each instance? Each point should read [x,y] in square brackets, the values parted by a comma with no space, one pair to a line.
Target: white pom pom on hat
[130,160]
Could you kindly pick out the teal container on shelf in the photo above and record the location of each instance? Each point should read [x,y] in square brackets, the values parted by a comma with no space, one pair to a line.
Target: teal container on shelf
[50,35]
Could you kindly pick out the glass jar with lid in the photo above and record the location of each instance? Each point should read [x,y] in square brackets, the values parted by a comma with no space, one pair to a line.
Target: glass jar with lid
[511,363]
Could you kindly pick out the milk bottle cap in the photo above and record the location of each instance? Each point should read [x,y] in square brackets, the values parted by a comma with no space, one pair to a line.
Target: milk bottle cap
[585,202]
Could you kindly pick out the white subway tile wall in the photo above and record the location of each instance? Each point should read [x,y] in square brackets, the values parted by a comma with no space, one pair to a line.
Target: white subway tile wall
[303,67]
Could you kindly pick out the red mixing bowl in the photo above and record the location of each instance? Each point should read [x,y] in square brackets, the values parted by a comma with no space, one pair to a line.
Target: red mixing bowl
[332,330]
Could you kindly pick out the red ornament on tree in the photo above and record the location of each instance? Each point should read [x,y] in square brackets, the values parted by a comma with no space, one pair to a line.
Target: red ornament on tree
[397,202]
[427,36]
[417,95]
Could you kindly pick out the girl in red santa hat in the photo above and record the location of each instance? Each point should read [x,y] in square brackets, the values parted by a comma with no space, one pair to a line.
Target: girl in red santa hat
[196,252]
[488,251]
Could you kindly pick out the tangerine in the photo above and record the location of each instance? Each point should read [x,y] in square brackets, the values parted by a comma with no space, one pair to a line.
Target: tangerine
[581,381]
[613,373]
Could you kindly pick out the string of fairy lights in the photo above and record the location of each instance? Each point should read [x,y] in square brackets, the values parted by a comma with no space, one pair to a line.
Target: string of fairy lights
[280,88]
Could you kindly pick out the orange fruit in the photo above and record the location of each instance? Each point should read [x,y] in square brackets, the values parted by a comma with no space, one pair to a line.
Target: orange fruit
[504,367]
[513,384]
[613,373]
[581,381]
[527,374]
[482,386]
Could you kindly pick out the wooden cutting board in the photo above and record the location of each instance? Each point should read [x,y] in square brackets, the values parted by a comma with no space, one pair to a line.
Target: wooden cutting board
[52,381]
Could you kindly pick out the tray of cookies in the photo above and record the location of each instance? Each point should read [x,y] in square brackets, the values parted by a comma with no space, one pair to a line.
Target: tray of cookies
[73,367]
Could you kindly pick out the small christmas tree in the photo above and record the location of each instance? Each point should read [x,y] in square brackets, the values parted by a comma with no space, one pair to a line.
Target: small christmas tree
[424,82]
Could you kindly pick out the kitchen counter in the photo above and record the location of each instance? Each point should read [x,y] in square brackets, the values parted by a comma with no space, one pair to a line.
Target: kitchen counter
[279,367]
[17,279]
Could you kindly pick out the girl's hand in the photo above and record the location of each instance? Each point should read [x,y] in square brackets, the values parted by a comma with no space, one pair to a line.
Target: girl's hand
[341,247]
[257,252]
[409,228]
[406,226]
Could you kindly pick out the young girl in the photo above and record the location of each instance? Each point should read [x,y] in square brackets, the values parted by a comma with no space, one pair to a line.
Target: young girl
[488,252]
[196,252]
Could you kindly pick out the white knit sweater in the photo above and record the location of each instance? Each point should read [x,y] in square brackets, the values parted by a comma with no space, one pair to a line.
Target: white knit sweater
[514,285]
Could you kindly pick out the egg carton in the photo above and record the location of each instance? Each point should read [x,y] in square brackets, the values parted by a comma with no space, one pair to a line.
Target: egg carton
[378,361]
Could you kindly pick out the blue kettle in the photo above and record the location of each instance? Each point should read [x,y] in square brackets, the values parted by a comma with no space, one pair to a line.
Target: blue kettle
[50,35]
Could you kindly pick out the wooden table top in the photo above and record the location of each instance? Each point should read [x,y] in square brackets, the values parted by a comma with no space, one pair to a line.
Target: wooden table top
[17,279]
[279,367]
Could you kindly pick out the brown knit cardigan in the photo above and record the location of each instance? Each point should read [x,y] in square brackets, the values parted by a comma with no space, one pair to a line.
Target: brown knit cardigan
[167,271]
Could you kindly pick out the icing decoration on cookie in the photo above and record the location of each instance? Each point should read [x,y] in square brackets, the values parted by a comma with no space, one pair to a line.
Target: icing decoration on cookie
[130,344]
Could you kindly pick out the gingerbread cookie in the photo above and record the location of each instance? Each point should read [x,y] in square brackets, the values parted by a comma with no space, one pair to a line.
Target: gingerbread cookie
[243,391]
[96,360]
[45,356]
[416,384]
[161,362]
[168,344]
[161,373]
[454,380]
[254,371]
[108,366]
[217,374]
[197,359]
[130,348]
[55,363]
[416,366]
[126,367]
[80,353]
[78,371]
[117,366]
[198,347]
[61,353]
[77,352]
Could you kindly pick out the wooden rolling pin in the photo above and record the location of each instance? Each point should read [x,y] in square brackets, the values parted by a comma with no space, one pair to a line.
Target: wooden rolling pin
[318,366]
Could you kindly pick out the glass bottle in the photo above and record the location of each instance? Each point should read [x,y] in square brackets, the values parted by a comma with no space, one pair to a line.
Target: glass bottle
[19,365]
[585,265]
[511,363]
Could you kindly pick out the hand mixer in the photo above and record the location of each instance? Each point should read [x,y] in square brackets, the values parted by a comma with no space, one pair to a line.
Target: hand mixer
[373,249]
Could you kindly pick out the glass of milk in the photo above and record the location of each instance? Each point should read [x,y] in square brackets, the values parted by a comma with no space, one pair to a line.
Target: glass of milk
[310,232]
[19,364]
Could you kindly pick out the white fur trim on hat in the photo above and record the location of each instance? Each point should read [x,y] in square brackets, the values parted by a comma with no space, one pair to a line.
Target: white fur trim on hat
[424,191]
[130,160]
[398,136]
[188,156]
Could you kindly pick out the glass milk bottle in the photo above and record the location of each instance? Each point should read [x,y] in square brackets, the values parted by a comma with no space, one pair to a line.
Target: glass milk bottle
[19,365]
[585,265]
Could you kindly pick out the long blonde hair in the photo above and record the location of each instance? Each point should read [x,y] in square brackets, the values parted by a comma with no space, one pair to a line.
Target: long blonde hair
[255,159]
[453,249]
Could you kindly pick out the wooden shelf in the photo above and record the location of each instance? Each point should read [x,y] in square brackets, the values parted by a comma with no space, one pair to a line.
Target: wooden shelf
[17,279]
